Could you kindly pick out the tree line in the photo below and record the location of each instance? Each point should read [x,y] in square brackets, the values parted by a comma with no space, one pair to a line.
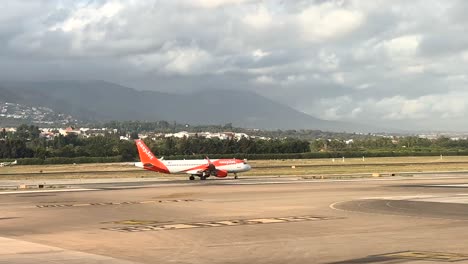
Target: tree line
[27,143]
[402,144]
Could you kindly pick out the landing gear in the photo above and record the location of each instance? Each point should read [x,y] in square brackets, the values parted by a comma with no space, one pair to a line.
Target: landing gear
[203,177]
[235,176]
[192,178]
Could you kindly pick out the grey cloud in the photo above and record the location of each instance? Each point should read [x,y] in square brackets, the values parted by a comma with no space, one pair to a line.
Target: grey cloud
[444,42]
[394,57]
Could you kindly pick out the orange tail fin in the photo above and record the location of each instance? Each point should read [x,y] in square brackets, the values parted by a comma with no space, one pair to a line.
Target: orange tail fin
[149,160]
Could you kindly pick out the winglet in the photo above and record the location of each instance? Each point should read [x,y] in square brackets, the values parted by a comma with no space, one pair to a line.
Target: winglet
[148,159]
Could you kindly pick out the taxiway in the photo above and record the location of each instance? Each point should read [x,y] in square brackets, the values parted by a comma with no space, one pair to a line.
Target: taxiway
[267,220]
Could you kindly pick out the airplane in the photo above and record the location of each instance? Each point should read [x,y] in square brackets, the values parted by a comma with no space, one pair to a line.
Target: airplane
[202,168]
[4,164]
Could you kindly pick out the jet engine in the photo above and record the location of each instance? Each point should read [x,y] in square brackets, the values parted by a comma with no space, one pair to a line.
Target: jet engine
[220,173]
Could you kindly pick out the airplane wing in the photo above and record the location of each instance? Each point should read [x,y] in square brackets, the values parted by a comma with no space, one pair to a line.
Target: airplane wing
[208,169]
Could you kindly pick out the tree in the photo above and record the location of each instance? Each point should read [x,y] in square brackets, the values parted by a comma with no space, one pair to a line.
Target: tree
[134,135]
[34,132]
[127,150]
[3,134]
[228,126]
[22,132]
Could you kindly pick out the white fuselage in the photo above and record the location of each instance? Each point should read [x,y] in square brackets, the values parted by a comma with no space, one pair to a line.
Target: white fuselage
[191,166]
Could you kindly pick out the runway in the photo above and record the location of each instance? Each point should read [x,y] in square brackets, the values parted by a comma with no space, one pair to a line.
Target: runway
[268,220]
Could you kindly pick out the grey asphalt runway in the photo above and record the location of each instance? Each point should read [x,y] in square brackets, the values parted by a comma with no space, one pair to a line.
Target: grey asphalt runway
[268,220]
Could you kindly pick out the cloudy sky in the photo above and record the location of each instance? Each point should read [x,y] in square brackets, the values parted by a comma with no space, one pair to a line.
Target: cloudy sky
[395,63]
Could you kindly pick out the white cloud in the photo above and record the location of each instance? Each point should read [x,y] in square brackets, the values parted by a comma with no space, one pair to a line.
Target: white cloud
[404,46]
[328,21]
[187,61]
[401,108]
[328,60]
[214,3]
[333,110]
[364,86]
[176,60]
[293,79]
[464,55]
[260,19]
[258,54]
[338,78]
[415,69]
[393,108]
[89,14]
[264,79]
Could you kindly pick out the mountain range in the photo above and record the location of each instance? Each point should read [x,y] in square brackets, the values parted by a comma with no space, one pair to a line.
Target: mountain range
[104,101]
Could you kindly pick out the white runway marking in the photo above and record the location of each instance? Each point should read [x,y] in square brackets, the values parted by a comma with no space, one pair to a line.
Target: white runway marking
[462,185]
[402,197]
[460,198]
[47,191]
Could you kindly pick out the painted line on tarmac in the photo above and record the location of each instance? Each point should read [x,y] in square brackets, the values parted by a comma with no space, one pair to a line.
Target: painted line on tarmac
[223,223]
[116,203]
[399,198]
[461,185]
[336,206]
[299,181]
[47,191]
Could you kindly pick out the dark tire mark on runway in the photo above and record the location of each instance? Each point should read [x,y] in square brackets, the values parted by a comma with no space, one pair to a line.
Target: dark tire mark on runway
[405,256]
[35,195]
[8,218]
[371,259]
[454,211]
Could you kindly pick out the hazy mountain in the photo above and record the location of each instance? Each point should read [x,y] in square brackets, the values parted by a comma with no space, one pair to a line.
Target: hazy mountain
[103,101]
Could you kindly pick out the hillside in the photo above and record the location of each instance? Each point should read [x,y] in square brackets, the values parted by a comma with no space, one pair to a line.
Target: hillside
[103,101]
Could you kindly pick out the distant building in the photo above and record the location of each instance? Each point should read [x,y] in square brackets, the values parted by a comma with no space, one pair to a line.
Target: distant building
[68,131]
[180,134]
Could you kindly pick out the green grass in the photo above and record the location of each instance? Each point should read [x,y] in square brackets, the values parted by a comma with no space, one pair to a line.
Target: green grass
[260,168]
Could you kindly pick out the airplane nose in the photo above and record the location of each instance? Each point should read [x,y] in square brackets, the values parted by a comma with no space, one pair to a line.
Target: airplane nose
[247,167]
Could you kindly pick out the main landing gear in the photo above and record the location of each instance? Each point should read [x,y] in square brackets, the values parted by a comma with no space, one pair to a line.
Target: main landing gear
[235,176]
[202,177]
